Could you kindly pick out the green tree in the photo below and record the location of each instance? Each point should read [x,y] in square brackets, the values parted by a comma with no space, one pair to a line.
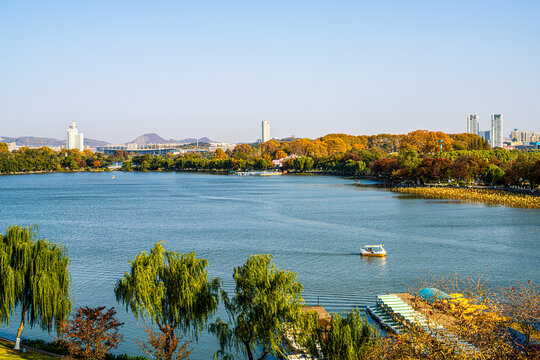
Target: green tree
[172,290]
[266,299]
[127,166]
[34,276]
[409,159]
[493,175]
[346,338]
[3,147]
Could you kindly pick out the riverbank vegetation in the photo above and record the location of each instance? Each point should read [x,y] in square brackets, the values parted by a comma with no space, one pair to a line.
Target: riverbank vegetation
[33,277]
[475,195]
[266,313]
[419,157]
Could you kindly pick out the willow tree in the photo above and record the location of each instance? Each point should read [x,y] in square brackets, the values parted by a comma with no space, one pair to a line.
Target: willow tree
[33,276]
[172,290]
[266,301]
[347,337]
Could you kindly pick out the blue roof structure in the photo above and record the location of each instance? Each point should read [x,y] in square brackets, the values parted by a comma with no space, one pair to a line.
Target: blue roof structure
[433,294]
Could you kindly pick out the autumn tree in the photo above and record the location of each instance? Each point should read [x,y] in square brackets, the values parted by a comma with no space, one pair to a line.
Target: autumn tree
[388,142]
[172,290]
[3,147]
[336,143]
[467,167]
[34,277]
[91,334]
[433,169]
[156,345]
[280,154]
[220,154]
[88,153]
[426,142]
[299,147]
[266,299]
[269,147]
[384,166]
[242,151]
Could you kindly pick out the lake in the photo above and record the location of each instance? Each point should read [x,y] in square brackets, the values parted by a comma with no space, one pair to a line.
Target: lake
[313,225]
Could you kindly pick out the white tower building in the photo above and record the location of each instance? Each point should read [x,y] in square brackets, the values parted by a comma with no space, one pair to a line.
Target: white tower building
[74,139]
[496,135]
[265,131]
[472,124]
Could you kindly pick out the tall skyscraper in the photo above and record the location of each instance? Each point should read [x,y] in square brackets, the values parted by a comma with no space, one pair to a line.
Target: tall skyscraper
[485,135]
[74,139]
[496,136]
[472,124]
[265,131]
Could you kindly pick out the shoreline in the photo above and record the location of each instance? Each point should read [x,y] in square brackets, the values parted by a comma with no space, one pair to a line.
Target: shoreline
[486,196]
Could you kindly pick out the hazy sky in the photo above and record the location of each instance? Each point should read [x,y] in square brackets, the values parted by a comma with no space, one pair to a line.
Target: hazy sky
[218,68]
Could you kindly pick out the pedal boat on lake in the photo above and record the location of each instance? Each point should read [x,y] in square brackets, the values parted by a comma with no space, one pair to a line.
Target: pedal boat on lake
[373,250]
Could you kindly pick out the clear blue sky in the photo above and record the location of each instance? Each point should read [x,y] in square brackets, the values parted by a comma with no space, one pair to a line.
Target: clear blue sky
[218,68]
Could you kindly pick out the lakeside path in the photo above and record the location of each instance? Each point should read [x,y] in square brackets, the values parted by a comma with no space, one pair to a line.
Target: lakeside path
[499,197]
[7,352]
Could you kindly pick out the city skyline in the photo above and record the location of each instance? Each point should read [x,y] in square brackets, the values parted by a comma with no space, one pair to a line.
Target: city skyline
[188,70]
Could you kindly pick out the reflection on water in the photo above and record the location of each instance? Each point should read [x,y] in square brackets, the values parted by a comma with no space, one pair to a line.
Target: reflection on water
[313,225]
[375,260]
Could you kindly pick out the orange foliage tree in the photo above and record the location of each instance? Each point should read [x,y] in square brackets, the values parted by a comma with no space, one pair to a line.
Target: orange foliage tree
[91,334]
[426,142]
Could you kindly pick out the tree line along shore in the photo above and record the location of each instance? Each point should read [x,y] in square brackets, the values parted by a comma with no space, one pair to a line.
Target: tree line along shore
[265,314]
[418,158]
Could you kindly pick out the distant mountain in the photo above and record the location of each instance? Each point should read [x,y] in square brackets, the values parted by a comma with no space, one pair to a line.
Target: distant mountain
[142,140]
[193,140]
[94,143]
[153,138]
[45,141]
[33,141]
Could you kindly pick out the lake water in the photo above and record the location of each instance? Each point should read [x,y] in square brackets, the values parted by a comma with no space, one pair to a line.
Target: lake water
[313,225]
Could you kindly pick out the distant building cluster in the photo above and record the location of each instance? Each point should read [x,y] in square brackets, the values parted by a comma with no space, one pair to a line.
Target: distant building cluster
[524,136]
[135,150]
[520,140]
[494,136]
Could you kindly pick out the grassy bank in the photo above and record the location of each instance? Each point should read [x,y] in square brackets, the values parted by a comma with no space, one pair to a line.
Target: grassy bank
[7,352]
[499,197]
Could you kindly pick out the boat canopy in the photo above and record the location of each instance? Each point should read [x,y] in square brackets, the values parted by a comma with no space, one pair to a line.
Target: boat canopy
[433,294]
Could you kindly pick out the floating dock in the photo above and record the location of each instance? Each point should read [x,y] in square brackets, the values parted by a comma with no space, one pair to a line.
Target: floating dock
[396,315]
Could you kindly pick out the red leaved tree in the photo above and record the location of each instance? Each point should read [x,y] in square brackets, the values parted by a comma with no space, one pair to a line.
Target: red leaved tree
[92,333]
[162,346]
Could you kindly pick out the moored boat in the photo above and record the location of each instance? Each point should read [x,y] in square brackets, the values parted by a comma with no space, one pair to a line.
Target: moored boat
[373,250]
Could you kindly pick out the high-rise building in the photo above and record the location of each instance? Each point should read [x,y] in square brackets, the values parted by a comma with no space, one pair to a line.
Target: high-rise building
[485,135]
[472,124]
[74,139]
[265,131]
[496,135]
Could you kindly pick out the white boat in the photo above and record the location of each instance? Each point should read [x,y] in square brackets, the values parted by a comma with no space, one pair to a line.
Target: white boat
[373,250]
